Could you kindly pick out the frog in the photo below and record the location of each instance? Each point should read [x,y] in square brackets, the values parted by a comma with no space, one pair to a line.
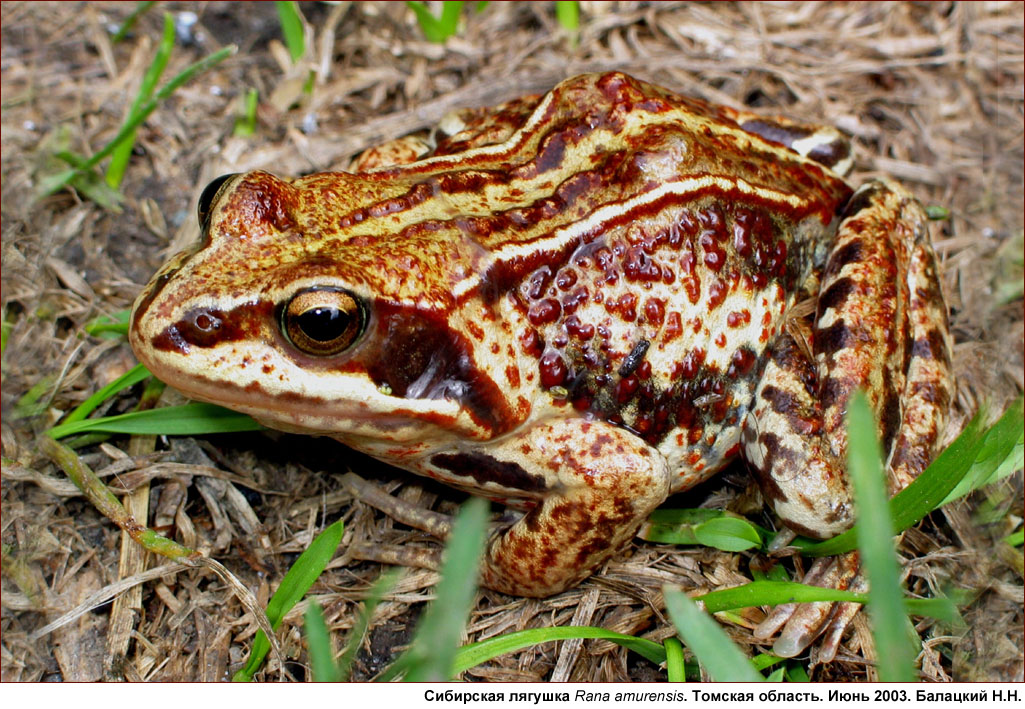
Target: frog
[576,304]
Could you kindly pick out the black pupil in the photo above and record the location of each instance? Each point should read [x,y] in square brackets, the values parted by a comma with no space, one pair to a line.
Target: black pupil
[323,324]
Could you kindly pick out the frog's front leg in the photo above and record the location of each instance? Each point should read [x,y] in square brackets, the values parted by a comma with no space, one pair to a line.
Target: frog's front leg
[880,326]
[600,483]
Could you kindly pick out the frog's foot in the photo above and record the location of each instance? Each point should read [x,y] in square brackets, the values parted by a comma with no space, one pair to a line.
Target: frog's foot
[802,623]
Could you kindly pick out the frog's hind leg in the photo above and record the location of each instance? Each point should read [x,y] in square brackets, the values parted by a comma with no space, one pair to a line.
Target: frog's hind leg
[880,326]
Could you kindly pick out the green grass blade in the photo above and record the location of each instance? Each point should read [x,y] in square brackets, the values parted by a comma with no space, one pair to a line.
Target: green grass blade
[193,419]
[31,402]
[292,29]
[5,332]
[567,12]
[245,124]
[123,152]
[116,323]
[100,496]
[723,660]
[712,528]
[304,572]
[797,673]
[764,660]
[772,593]
[129,379]
[1015,539]
[382,586]
[938,608]
[1000,455]
[437,29]
[433,651]
[318,640]
[130,21]
[728,534]
[474,654]
[875,541]
[57,182]
[676,668]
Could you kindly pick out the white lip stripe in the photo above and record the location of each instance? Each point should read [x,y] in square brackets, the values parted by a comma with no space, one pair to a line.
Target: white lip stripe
[565,235]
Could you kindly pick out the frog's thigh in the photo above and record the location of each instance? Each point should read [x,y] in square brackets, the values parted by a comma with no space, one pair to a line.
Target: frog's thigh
[881,327]
[603,482]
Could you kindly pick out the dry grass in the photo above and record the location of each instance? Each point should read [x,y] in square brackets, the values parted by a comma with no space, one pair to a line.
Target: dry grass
[931,92]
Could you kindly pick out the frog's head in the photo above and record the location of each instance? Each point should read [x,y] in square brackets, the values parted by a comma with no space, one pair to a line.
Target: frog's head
[313,313]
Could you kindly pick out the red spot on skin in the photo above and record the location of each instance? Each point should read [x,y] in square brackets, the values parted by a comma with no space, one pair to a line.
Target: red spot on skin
[644,370]
[717,290]
[738,318]
[626,306]
[566,279]
[553,370]
[720,340]
[742,234]
[638,266]
[742,361]
[538,282]
[512,375]
[673,327]
[475,330]
[545,312]
[654,311]
[626,388]
[575,328]
[715,255]
[571,302]
[531,343]
[780,258]
[692,363]
[495,348]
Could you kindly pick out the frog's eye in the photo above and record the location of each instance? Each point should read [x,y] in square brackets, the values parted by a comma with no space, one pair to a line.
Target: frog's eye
[209,196]
[323,321]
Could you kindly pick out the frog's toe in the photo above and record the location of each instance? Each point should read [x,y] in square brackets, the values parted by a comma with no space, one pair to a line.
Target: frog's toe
[802,623]
[805,624]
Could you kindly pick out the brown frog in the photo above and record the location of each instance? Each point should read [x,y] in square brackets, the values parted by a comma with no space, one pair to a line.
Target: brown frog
[577,303]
